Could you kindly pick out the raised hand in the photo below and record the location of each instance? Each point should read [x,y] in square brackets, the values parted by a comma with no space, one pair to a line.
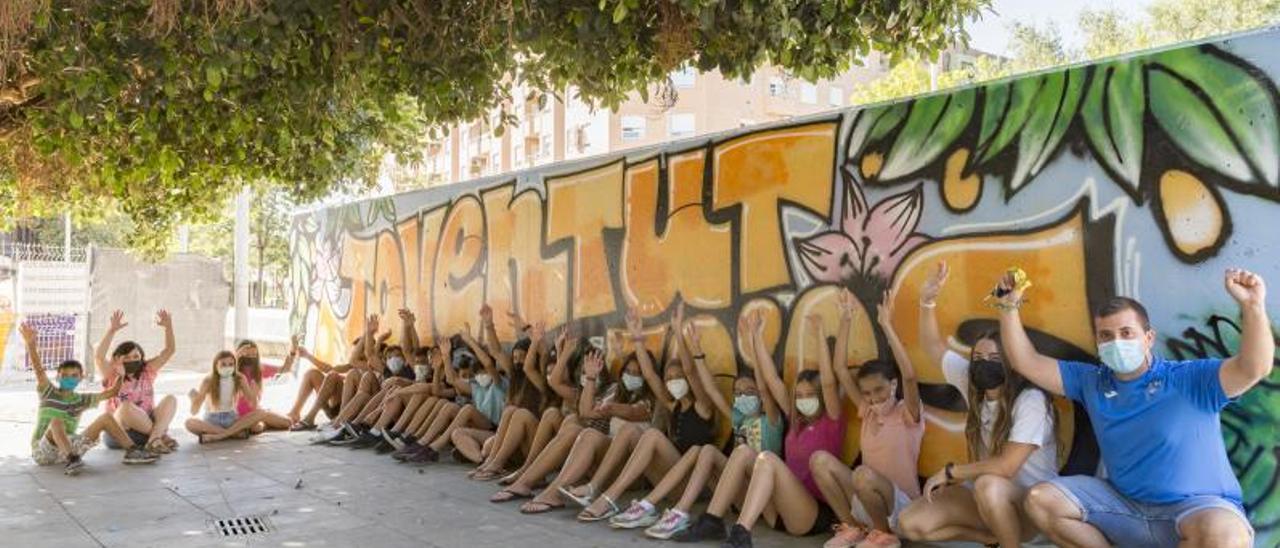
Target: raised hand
[884,313]
[486,314]
[757,322]
[634,326]
[1245,287]
[407,316]
[539,332]
[163,319]
[517,322]
[446,348]
[933,284]
[693,338]
[1008,294]
[371,326]
[28,333]
[593,363]
[117,321]
[677,318]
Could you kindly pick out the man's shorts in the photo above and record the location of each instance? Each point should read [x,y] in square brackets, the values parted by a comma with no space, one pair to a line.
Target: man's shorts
[1126,522]
[45,453]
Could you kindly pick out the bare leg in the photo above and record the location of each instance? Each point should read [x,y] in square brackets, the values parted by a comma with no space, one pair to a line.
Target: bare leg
[441,421]
[710,463]
[953,515]
[1060,518]
[242,425]
[312,380]
[329,391]
[653,455]
[1214,527]
[107,423]
[57,432]
[772,483]
[1000,504]
[370,410]
[273,421]
[469,442]
[620,446]
[839,486]
[423,416]
[733,480]
[163,413]
[204,430]
[352,408]
[390,410]
[548,426]
[520,428]
[133,418]
[548,460]
[410,411]
[468,416]
[587,449]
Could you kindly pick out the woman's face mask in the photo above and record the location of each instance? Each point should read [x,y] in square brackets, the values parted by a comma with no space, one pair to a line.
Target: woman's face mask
[133,367]
[747,404]
[483,379]
[247,363]
[678,388]
[987,374]
[632,382]
[809,406]
[226,370]
[395,363]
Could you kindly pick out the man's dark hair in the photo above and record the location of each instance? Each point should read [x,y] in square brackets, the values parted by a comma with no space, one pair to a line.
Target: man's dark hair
[1116,305]
[71,364]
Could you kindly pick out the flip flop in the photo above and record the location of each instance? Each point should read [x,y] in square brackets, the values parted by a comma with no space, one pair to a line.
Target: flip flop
[542,507]
[509,478]
[507,495]
[486,475]
[583,501]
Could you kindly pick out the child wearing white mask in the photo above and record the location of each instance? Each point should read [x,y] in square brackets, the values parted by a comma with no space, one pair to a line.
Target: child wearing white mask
[221,387]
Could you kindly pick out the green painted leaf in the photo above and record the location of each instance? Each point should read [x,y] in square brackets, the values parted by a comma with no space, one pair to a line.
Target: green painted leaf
[993,109]
[1242,102]
[872,124]
[1011,118]
[933,125]
[1050,116]
[1112,116]
[1191,124]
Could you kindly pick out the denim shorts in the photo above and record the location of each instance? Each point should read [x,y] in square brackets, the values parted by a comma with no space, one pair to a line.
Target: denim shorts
[1126,522]
[221,419]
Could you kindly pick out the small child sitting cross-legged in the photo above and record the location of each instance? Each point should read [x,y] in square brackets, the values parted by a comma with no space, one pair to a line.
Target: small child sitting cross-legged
[55,440]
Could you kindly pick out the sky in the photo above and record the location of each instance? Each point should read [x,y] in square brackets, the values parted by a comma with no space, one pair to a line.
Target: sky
[991,33]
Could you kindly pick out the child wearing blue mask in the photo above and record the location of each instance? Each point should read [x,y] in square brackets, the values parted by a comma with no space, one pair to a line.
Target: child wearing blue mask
[55,440]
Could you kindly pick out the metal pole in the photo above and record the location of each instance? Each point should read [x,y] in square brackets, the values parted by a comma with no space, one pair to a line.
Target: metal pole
[184,238]
[66,237]
[242,265]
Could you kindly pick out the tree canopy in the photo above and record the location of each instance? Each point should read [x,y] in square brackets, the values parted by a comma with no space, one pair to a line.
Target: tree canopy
[165,108]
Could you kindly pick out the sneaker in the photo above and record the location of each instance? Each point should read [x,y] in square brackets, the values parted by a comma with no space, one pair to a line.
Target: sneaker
[635,516]
[739,537]
[880,539]
[393,439]
[365,441]
[383,447]
[137,455]
[405,452]
[706,527]
[74,464]
[326,435]
[846,536]
[423,456]
[672,522]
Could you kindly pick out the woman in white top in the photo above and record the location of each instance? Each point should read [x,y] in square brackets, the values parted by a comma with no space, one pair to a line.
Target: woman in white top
[1010,433]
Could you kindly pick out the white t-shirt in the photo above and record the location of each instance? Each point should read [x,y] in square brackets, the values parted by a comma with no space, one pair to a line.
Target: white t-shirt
[1032,423]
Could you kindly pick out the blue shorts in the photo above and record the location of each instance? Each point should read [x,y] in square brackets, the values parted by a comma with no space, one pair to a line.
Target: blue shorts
[221,419]
[1126,522]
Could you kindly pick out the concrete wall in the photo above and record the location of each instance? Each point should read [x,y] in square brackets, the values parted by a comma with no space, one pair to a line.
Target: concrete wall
[191,287]
[1146,176]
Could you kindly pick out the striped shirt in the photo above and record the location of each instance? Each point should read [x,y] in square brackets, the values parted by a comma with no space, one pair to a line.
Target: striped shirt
[63,405]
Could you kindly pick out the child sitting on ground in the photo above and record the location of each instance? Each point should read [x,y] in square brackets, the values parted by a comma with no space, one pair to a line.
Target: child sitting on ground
[55,440]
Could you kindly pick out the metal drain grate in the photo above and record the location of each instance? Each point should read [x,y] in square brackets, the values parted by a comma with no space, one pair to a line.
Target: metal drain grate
[241,526]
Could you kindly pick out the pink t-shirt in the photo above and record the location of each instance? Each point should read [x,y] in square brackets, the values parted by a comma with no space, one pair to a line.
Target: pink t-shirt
[824,434]
[243,405]
[891,445]
[140,391]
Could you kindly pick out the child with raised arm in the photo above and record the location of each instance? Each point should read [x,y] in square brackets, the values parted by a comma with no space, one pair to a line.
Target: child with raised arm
[872,495]
[134,405]
[55,440]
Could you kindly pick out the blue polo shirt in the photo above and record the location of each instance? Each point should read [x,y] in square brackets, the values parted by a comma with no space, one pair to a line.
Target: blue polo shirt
[1160,434]
[490,400]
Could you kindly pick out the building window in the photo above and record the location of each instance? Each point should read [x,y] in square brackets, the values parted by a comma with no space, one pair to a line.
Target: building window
[808,93]
[684,78]
[633,128]
[680,125]
[777,88]
[835,96]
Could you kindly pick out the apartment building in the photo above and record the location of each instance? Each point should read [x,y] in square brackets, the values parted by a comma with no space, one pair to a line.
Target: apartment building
[690,103]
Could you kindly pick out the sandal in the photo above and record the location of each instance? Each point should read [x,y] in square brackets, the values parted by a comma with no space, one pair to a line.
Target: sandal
[613,510]
[583,501]
[486,475]
[538,507]
[157,446]
[301,426]
[507,495]
[169,442]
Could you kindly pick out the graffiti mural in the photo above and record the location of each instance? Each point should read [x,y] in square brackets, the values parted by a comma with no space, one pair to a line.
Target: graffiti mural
[1144,176]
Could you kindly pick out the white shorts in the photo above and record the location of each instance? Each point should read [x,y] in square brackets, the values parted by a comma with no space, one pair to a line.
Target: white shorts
[45,453]
[900,502]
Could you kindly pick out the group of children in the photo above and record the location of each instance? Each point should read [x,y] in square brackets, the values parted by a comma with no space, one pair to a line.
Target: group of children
[553,424]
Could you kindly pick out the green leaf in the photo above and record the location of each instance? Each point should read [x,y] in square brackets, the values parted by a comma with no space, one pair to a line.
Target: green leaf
[213,75]
[1051,114]
[867,126]
[1112,116]
[933,125]
[893,115]
[1004,120]
[1191,124]
[1235,100]
[619,12]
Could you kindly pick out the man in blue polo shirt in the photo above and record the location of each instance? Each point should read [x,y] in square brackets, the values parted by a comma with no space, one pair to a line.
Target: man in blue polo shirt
[1158,427]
